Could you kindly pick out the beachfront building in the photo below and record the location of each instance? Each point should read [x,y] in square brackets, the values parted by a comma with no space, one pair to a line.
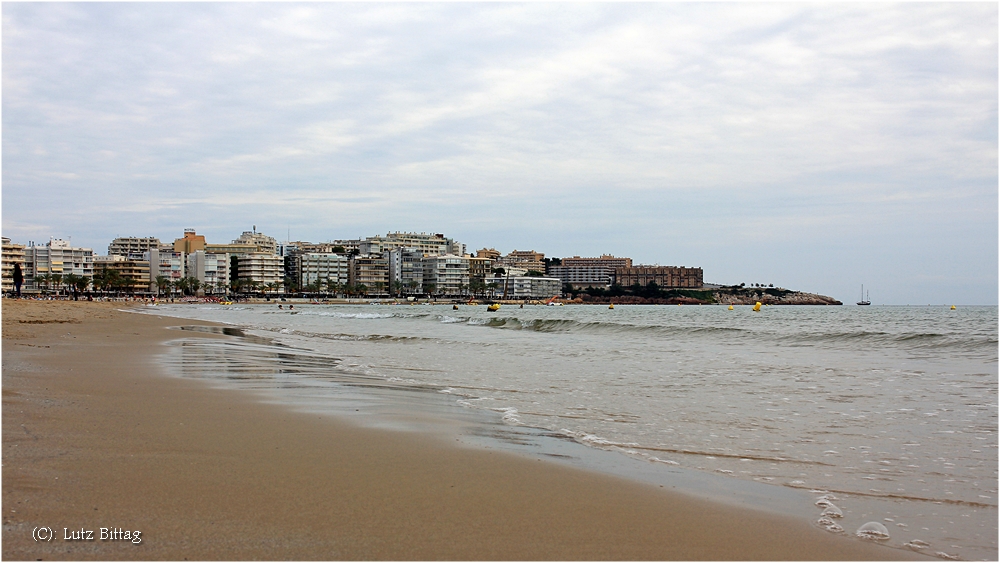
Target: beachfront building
[581,277]
[446,274]
[528,260]
[370,271]
[406,271]
[133,274]
[491,253]
[419,242]
[531,287]
[167,263]
[57,258]
[190,242]
[133,247]
[605,260]
[480,268]
[350,246]
[209,268]
[263,270]
[11,254]
[322,267]
[663,276]
[263,242]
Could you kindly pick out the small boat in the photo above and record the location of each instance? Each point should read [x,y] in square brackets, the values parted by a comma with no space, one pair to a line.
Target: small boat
[864,299]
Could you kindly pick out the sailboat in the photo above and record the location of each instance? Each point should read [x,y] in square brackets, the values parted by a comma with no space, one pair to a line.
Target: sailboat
[864,300]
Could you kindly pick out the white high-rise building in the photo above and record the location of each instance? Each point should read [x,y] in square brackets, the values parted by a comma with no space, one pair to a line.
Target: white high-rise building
[322,266]
[448,274]
[211,269]
[57,257]
[419,242]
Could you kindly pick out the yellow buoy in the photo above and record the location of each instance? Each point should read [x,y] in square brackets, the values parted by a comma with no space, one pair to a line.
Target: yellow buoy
[612,306]
[493,307]
[730,307]
[757,306]
[952,307]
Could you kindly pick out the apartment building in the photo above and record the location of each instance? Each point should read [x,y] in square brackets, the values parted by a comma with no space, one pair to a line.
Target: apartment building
[211,269]
[132,247]
[529,260]
[448,274]
[167,263]
[527,287]
[605,260]
[581,277]
[262,268]
[263,242]
[419,242]
[10,255]
[57,257]
[664,276]
[190,242]
[136,271]
[480,268]
[371,272]
[322,266]
[490,253]
[406,268]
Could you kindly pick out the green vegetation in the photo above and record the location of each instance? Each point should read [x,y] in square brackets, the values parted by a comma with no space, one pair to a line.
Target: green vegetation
[651,291]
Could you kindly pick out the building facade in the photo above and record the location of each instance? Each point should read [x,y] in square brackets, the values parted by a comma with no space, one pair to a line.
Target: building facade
[406,271]
[419,242]
[57,257]
[322,267]
[134,274]
[581,277]
[133,247]
[371,272]
[11,254]
[211,269]
[527,260]
[664,276]
[262,269]
[263,242]
[605,260]
[447,274]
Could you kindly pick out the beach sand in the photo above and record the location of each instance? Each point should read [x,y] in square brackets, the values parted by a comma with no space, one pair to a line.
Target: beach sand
[96,435]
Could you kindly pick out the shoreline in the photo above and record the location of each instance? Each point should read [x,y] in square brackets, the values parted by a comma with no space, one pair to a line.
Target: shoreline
[96,435]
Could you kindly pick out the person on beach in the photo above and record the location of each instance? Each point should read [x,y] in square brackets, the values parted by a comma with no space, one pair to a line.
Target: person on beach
[18,279]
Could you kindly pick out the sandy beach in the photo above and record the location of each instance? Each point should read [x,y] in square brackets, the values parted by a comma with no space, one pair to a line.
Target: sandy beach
[95,436]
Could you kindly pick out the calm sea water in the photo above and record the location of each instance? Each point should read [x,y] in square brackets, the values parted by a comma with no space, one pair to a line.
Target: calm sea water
[882,414]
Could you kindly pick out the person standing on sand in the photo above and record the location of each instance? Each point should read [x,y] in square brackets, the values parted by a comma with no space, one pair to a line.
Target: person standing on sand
[18,279]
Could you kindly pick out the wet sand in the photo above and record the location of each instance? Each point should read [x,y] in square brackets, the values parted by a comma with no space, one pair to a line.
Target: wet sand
[95,435]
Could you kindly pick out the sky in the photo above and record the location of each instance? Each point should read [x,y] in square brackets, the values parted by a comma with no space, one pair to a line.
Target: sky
[814,146]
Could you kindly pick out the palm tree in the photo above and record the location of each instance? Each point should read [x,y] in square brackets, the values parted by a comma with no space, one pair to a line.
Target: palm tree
[81,283]
[56,280]
[397,288]
[42,280]
[332,285]
[69,280]
[162,284]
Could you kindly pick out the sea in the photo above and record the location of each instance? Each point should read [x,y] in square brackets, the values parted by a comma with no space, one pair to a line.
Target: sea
[875,422]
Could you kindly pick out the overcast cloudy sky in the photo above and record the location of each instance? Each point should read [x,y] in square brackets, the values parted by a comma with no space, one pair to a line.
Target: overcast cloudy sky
[813,146]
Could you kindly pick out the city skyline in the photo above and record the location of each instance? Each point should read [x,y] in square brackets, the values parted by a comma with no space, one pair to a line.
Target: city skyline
[817,147]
